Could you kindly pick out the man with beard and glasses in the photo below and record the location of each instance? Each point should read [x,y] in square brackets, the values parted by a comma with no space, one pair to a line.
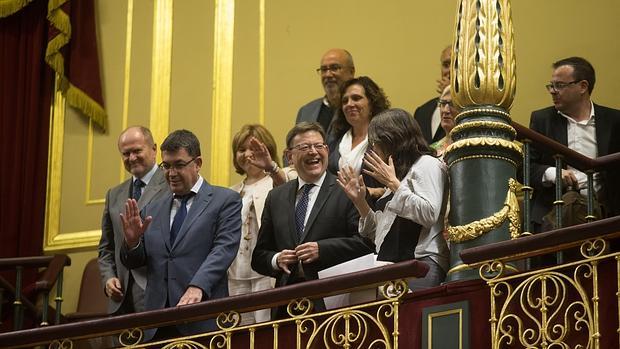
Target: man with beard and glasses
[335,68]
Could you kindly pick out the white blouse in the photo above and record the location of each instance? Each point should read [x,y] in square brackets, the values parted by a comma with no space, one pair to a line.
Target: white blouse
[421,197]
[352,157]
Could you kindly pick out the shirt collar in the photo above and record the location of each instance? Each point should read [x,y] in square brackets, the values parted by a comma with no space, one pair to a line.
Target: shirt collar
[585,122]
[147,177]
[317,183]
[194,189]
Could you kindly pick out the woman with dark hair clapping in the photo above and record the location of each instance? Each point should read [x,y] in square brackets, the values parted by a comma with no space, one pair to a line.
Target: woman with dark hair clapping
[409,218]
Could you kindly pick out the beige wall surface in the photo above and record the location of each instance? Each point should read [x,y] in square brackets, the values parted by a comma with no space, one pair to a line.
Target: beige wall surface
[276,47]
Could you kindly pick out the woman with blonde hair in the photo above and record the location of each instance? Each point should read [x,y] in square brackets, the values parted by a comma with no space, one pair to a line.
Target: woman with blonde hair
[255,156]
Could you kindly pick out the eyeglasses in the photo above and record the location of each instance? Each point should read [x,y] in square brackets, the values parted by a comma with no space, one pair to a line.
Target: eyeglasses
[177,166]
[555,86]
[334,68]
[442,103]
[305,147]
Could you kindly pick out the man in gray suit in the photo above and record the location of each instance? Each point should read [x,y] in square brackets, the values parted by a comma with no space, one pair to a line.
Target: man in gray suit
[138,150]
[187,240]
[336,68]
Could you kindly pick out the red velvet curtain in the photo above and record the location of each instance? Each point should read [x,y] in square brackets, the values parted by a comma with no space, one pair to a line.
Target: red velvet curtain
[26,85]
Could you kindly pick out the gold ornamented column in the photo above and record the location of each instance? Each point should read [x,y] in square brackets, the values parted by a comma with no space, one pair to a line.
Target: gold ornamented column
[483,158]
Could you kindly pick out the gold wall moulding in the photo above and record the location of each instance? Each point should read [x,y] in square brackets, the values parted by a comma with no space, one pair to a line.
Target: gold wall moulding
[510,211]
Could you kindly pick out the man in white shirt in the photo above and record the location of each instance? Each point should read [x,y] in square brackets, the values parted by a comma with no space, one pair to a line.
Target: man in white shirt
[308,224]
[124,288]
[585,127]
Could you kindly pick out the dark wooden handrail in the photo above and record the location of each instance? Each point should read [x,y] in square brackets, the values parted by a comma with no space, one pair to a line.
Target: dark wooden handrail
[542,243]
[50,276]
[210,309]
[573,158]
[30,262]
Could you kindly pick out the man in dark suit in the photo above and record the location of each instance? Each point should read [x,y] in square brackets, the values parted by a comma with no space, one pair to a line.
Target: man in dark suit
[187,240]
[308,224]
[125,289]
[581,125]
[336,67]
[428,114]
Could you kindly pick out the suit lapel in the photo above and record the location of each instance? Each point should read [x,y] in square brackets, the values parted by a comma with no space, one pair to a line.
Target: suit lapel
[156,184]
[324,193]
[200,202]
[291,196]
[559,128]
[602,130]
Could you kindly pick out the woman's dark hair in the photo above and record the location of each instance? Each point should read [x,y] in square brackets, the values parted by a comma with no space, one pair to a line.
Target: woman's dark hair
[399,136]
[377,101]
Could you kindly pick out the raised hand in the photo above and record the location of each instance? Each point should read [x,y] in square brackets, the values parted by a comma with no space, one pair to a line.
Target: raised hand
[260,155]
[382,172]
[133,226]
[442,83]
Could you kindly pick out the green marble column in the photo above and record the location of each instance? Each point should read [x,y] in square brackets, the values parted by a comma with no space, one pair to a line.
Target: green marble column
[483,158]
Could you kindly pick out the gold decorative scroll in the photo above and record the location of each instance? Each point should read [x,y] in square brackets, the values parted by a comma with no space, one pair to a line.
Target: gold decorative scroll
[510,211]
[483,59]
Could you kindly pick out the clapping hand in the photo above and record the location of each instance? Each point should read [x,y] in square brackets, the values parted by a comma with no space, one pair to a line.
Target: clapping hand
[352,184]
[382,172]
[133,226]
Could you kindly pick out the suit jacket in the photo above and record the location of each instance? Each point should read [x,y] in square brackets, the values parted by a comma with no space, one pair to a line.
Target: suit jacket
[424,115]
[553,125]
[112,236]
[203,250]
[310,111]
[333,223]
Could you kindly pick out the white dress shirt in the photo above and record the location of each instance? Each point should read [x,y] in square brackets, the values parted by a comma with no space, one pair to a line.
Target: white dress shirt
[312,195]
[581,137]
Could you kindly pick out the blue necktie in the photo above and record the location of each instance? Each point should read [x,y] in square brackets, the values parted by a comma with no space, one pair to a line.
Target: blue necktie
[137,189]
[179,217]
[300,210]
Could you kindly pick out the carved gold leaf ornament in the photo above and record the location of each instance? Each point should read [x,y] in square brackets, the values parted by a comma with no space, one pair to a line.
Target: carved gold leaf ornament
[483,60]
[509,211]
[493,125]
[484,142]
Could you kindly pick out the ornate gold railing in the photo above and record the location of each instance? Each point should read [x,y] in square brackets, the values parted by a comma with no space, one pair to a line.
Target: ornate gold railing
[558,306]
[369,325]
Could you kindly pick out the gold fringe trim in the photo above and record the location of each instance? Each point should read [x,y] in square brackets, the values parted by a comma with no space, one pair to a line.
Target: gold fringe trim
[75,97]
[9,7]
[80,100]
[510,211]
